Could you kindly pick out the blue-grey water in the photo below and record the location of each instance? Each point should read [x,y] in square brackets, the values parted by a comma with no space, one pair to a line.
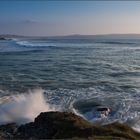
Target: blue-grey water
[76,74]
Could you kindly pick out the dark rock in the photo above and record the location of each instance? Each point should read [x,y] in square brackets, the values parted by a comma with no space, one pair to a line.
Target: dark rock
[2,38]
[55,125]
[64,125]
[103,109]
[8,131]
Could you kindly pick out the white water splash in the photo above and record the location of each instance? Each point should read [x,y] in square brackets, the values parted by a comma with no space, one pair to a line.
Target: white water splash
[34,44]
[23,108]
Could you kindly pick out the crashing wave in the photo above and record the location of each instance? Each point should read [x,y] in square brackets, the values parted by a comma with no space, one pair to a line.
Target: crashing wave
[34,44]
[23,108]
[103,112]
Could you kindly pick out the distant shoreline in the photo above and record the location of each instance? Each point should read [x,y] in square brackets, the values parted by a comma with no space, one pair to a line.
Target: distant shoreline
[77,36]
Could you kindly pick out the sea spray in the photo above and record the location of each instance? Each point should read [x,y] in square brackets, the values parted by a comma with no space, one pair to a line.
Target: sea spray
[23,108]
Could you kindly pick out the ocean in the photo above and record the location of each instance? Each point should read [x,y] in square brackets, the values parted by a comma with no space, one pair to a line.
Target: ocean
[78,75]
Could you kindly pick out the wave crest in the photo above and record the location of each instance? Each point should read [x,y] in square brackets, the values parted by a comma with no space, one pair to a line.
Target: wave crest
[23,108]
[34,44]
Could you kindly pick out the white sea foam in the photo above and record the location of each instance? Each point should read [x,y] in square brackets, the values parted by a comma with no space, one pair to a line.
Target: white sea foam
[34,44]
[95,118]
[26,43]
[14,39]
[124,111]
[23,108]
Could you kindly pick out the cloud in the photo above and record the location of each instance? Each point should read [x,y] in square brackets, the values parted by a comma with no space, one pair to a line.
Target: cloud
[29,22]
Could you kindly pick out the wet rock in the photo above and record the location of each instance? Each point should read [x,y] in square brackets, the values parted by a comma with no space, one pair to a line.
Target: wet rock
[64,125]
[8,131]
[104,110]
[55,125]
[2,38]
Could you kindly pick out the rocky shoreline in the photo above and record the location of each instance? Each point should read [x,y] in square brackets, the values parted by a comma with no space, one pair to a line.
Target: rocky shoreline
[65,125]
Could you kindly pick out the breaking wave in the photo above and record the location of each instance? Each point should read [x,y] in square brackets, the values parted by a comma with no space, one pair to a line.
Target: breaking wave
[34,44]
[49,44]
[118,43]
[105,112]
[23,108]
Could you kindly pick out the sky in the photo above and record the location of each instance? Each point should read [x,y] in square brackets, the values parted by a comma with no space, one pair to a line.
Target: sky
[49,18]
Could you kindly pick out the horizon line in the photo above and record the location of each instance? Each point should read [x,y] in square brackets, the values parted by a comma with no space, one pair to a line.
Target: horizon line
[103,34]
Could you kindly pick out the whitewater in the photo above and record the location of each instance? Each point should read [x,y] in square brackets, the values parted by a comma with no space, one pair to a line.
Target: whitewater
[78,75]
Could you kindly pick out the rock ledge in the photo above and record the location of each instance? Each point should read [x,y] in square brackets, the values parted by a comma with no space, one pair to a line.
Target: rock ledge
[64,125]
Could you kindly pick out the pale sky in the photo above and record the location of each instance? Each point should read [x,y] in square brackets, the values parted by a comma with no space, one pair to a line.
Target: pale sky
[47,18]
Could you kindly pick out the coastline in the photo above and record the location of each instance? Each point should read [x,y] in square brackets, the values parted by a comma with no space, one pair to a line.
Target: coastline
[96,82]
[66,125]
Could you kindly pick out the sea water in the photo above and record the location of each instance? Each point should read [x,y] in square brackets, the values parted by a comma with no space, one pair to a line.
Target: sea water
[79,75]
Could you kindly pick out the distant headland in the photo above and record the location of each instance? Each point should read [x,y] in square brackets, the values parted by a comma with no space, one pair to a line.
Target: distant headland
[77,36]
